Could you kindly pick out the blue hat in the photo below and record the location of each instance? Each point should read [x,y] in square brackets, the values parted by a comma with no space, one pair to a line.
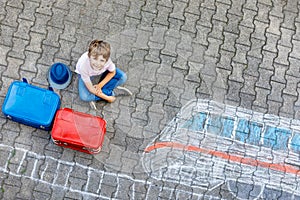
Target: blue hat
[59,76]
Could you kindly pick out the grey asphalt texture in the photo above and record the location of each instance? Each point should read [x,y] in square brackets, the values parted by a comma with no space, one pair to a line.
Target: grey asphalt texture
[242,53]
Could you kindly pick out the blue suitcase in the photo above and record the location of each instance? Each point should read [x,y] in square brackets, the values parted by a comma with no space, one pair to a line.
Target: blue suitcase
[31,105]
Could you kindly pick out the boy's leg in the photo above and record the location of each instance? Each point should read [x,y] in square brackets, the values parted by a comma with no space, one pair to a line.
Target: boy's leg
[119,79]
[84,93]
[122,77]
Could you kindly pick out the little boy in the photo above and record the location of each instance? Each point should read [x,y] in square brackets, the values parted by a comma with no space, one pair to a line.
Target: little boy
[94,63]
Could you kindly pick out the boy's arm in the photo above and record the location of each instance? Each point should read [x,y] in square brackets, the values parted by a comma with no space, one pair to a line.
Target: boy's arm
[110,99]
[107,78]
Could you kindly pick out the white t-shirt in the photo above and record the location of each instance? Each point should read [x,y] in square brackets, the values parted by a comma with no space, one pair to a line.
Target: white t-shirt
[84,68]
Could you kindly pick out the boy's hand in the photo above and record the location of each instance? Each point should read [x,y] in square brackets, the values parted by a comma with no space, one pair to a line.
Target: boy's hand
[98,89]
[93,90]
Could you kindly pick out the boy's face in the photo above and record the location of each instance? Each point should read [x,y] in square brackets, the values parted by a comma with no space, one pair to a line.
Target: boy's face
[97,63]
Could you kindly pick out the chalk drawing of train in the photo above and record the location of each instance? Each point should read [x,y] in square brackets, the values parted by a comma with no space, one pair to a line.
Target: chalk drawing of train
[208,144]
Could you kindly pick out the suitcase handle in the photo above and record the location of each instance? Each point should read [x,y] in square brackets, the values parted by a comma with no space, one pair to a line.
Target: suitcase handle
[78,113]
[24,80]
[49,88]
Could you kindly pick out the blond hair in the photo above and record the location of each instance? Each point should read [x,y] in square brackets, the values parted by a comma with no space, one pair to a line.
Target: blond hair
[99,47]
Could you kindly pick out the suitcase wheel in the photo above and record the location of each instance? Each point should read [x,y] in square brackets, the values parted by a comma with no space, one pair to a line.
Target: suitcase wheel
[92,150]
[57,142]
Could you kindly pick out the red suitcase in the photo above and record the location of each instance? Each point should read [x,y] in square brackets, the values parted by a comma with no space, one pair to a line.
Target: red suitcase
[79,131]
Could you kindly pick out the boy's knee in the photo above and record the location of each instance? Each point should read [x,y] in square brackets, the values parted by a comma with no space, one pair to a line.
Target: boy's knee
[124,77]
[84,97]
[121,74]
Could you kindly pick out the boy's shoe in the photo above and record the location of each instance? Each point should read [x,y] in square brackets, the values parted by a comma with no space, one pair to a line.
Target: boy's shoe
[122,91]
[93,105]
